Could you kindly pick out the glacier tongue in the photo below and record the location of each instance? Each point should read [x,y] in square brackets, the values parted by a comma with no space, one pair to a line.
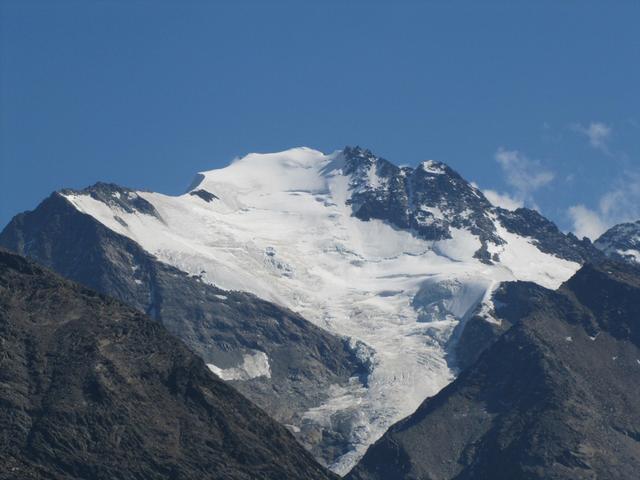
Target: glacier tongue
[280,227]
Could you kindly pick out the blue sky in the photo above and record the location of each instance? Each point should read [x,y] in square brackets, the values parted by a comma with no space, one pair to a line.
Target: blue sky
[535,101]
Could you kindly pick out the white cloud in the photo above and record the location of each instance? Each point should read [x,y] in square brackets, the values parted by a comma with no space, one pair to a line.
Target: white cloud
[503,200]
[524,175]
[598,134]
[620,204]
[586,222]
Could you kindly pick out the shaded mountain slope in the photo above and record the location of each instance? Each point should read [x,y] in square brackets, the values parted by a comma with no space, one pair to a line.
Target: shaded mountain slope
[555,397]
[90,388]
[226,328]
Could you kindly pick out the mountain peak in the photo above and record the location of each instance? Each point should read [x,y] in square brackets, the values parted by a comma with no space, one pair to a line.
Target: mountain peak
[433,166]
[288,170]
[621,242]
[430,200]
[358,156]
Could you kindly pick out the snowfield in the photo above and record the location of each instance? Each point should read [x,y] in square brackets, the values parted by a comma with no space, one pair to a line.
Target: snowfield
[281,229]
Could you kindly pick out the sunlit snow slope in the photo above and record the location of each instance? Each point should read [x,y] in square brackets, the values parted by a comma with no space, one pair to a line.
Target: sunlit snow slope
[280,226]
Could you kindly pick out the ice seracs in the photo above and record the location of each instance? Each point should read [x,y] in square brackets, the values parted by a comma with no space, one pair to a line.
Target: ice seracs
[323,235]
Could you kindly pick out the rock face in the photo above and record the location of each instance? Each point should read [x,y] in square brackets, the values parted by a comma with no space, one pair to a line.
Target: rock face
[621,242]
[90,388]
[514,301]
[227,329]
[433,199]
[430,199]
[555,397]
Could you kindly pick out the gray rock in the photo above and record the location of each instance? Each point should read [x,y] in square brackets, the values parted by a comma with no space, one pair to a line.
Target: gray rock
[204,195]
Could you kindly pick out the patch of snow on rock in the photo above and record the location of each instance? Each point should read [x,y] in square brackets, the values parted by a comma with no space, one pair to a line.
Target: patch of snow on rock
[255,364]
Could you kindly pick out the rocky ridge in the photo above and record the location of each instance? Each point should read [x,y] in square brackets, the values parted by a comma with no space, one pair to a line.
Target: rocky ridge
[91,388]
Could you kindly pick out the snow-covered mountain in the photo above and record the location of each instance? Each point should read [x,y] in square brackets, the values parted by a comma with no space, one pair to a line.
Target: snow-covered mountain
[396,259]
[621,242]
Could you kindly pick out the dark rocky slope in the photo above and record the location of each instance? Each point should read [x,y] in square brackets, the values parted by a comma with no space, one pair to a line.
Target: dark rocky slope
[219,326]
[555,397]
[513,301]
[93,389]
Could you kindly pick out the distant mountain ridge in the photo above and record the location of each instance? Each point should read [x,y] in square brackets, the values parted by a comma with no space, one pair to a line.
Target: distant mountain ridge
[621,242]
